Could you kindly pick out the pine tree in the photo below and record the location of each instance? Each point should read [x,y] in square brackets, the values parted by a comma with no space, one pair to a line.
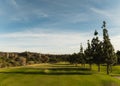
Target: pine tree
[81,56]
[118,57]
[96,48]
[88,55]
[108,50]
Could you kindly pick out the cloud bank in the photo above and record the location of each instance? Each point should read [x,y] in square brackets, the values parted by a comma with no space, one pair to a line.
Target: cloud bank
[46,42]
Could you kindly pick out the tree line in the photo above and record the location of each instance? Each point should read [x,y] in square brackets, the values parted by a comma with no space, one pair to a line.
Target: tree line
[11,59]
[97,52]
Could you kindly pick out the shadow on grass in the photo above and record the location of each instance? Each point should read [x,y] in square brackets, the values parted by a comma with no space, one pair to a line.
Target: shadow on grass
[49,73]
[61,69]
[62,64]
[65,66]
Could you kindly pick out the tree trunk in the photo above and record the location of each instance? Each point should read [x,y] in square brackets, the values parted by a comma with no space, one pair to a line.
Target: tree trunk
[108,69]
[90,66]
[98,67]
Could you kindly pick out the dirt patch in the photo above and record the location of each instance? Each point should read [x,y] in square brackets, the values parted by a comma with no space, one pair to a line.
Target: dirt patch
[118,77]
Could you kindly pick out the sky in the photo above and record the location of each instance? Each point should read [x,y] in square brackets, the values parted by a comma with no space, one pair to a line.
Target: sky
[56,26]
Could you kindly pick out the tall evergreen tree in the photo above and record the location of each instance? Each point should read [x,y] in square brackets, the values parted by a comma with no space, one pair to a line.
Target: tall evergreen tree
[108,50]
[96,48]
[81,56]
[88,55]
[118,57]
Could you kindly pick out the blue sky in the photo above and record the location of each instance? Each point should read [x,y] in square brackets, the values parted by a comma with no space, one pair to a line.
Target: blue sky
[55,26]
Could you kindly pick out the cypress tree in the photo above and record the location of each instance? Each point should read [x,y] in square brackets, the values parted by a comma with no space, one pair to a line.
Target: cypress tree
[88,55]
[118,57]
[108,50]
[96,48]
[81,56]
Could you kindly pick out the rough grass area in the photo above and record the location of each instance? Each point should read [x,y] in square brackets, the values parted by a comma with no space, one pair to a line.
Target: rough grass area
[56,75]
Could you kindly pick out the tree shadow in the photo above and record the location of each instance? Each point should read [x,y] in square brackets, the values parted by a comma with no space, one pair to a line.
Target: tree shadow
[61,69]
[50,71]
[62,64]
[65,66]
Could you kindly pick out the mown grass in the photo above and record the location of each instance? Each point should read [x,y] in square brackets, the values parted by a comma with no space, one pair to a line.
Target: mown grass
[57,75]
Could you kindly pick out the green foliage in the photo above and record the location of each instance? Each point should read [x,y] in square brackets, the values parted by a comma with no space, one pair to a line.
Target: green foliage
[118,57]
[77,58]
[53,59]
[74,59]
[97,50]
[88,55]
[81,56]
[108,50]
[95,33]
[44,59]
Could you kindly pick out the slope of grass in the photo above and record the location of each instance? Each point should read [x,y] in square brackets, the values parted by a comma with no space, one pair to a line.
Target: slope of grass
[55,75]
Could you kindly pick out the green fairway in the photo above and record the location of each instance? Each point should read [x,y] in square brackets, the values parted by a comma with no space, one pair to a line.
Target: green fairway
[56,75]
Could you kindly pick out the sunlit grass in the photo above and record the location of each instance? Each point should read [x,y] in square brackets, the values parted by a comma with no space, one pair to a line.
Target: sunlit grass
[57,75]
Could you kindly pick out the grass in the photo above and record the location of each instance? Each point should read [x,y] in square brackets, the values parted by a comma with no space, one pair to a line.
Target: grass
[57,75]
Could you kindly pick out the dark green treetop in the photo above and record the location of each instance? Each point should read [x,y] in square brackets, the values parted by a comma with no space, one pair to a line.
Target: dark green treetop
[108,50]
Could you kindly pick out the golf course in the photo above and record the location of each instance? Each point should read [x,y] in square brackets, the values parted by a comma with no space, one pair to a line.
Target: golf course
[59,42]
[59,74]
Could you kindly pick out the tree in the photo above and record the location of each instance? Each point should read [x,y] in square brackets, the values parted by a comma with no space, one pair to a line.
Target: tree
[118,57]
[74,59]
[22,61]
[88,55]
[44,59]
[96,48]
[108,50]
[81,56]
[53,59]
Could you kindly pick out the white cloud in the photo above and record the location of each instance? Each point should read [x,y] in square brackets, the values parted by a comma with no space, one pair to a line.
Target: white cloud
[43,42]
[116,42]
[79,17]
[57,43]
[22,12]
[75,17]
[113,14]
[101,12]
[23,15]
